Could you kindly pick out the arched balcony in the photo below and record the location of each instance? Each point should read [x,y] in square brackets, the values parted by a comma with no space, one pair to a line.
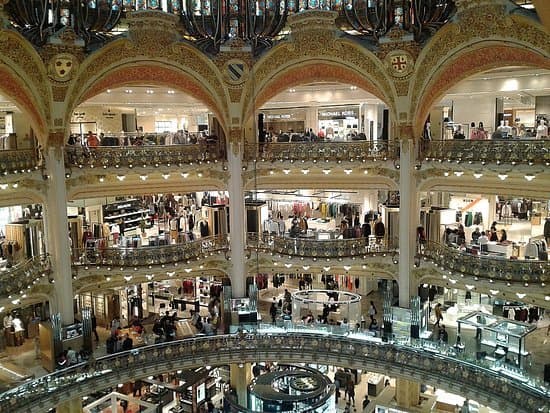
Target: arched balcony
[505,152]
[143,156]
[295,151]
[482,267]
[18,161]
[18,279]
[441,366]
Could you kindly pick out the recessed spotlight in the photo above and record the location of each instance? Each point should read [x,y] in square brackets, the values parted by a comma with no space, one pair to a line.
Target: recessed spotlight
[348,171]
[502,177]
[529,177]
[477,175]
[121,177]
[286,171]
[326,171]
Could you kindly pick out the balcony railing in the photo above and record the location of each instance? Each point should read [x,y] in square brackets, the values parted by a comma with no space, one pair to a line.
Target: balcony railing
[495,384]
[510,151]
[143,156]
[314,248]
[151,255]
[17,161]
[487,267]
[321,151]
[19,277]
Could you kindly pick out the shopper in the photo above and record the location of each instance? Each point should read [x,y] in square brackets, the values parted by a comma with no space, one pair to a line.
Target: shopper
[366,401]
[443,335]
[438,314]
[273,312]
[94,326]
[351,392]
[127,343]
[372,310]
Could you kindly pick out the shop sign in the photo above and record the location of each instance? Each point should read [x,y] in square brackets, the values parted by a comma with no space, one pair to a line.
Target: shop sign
[278,116]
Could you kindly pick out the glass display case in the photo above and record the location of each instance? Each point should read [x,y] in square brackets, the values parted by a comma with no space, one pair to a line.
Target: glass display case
[344,307]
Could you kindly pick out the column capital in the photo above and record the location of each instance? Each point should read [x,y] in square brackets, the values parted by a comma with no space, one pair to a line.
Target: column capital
[406,131]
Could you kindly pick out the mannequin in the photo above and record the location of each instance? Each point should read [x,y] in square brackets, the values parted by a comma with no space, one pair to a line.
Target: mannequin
[379,230]
[428,131]
[542,129]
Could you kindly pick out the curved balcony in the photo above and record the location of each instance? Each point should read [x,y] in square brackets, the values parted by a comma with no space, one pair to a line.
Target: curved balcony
[143,156]
[511,151]
[509,391]
[315,248]
[358,151]
[487,267]
[152,255]
[18,161]
[20,277]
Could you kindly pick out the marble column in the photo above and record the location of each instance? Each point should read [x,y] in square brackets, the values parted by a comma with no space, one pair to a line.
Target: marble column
[56,224]
[407,393]
[240,376]
[70,406]
[408,220]
[237,220]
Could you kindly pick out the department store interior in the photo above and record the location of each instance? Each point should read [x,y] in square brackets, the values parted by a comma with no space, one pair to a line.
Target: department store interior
[151,241]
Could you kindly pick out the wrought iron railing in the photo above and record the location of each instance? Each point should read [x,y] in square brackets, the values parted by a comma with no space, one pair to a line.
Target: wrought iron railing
[18,161]
[142,156]
[428,361]
[17,279]
[322,151]
[510,151]
[486,266]
[315,248]
[150,255]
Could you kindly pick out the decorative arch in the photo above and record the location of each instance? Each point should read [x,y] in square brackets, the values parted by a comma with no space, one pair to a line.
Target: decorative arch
[16,89]
[311,56]
[468,62]
[23,78]
[124,63]
[479,39]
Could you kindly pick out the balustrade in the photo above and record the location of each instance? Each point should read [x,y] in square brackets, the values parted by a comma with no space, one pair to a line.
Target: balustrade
[511,151]
[321,151]
[17,279]
[151,255]
[433,363]
[142,156]
[487,267]
[18,161]
[314,248]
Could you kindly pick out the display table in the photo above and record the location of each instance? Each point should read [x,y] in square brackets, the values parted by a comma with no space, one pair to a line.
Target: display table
[375,384]
[137,339]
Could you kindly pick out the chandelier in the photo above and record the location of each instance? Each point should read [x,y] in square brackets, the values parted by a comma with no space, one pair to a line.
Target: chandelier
[211,23]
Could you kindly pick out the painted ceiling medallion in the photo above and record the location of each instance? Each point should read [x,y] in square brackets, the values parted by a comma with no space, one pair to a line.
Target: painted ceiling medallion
[236,71]
[400,63]
[62,66]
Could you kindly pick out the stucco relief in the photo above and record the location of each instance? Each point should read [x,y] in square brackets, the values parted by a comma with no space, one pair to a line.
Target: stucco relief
[326,58]
[202,78]
[24,78]
[466,47]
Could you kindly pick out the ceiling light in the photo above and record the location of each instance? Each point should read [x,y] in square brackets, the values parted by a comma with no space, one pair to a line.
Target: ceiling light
[305,267]
[305,171]
[469,287]
[477,175]
[502,177]
[547,297]
[188,270]
[326,171]
[529,177]
[353,87]
[184,174]
[101,179]
[286,171]
[108,90]
[127,277]
[459,173]
[446,173]
[521,295]
[348,171]
[121,177]
[14,185]
[166,176]
[494,292]
[171,92]
[4,186]
[292,90]
[128,91]
[143,177]
[347,267]
[326,268]
[149,91]
[366,172]
[288,265]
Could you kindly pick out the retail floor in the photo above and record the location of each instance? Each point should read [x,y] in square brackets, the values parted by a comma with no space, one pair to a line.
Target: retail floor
[538,343]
